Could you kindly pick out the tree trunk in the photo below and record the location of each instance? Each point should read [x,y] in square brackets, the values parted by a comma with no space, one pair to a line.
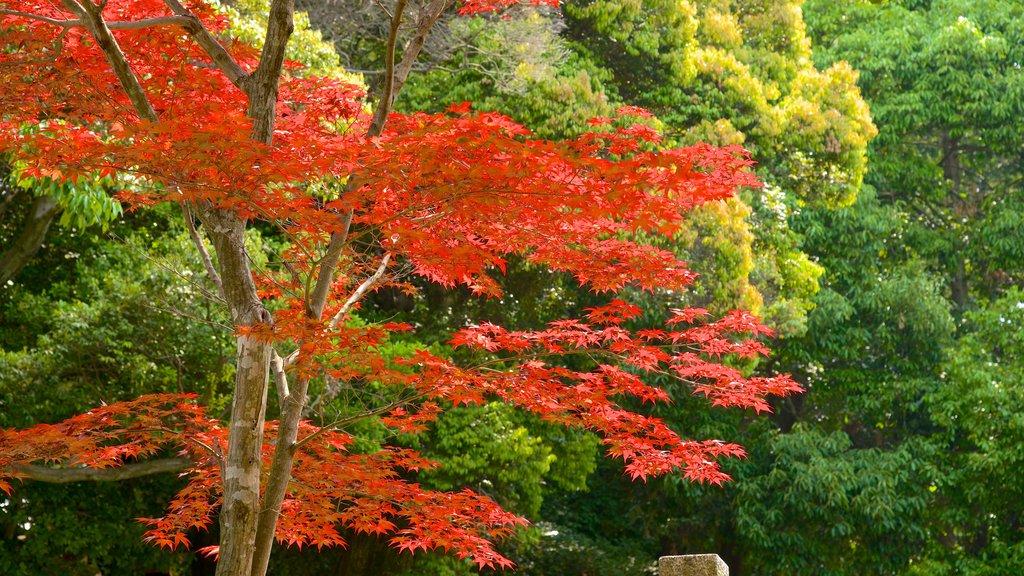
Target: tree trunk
[44,209]
[280,475]
[241,472]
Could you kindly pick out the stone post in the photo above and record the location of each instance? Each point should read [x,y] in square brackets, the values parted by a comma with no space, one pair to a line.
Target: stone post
[692,565]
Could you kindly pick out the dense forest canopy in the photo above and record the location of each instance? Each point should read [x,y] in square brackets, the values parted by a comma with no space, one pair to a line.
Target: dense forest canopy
[883,247]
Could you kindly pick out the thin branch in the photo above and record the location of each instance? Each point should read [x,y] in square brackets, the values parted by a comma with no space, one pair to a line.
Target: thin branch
[112,25]
[342,422]
[54,21]
[178,273]
[388,92]
[227,328]
[331,390]
[183,17]
[190,223]
[384,8]
[84,474]
[149,22]
[277,365]
[360,292]
[218,455]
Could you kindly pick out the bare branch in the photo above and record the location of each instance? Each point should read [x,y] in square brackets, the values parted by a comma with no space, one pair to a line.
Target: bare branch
[183,17]
[84,474]
[388,92]
[424,24]
[291,358]
[331,390]
[54,21]
[357,417]
[190,223]
[149,23]
[361,291]
[221,58]
[112,25]
[92,16]
[384,8]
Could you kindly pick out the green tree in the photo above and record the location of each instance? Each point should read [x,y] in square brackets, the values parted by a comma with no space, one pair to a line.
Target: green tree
[946,87]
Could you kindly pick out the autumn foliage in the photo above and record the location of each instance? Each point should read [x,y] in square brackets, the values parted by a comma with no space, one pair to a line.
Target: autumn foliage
[445,197]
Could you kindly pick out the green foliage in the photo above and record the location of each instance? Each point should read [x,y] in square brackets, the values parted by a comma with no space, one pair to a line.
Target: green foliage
[821,506]
[109,333]
[507,455]
[946,88]
[81,529]
[981,429]
[901,459]
[89,321]
[519,66]
[740,73]
[84,203]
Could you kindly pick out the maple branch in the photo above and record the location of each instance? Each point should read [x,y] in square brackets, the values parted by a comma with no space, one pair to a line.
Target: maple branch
[148,22]
[217,454]
[262,86]
[277,364]
[360,291]
[292,404]
[328,264]
[209,44]
[331,389]
[280,466]
[29,16]
[183,17]
[198,241]
[388,92]
[384,8]
[425,23]
[112,25]
[291,358]
[92,16]
[85,474]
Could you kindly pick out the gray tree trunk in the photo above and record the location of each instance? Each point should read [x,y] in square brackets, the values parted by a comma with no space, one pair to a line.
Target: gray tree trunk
[241,469]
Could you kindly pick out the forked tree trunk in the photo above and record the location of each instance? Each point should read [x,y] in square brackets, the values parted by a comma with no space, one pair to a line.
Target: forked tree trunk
[241,469]
[240,512]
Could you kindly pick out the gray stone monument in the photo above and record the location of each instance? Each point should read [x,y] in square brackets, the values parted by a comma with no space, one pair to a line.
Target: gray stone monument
[692,565]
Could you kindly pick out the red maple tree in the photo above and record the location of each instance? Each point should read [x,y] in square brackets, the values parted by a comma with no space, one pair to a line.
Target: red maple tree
[155,93]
